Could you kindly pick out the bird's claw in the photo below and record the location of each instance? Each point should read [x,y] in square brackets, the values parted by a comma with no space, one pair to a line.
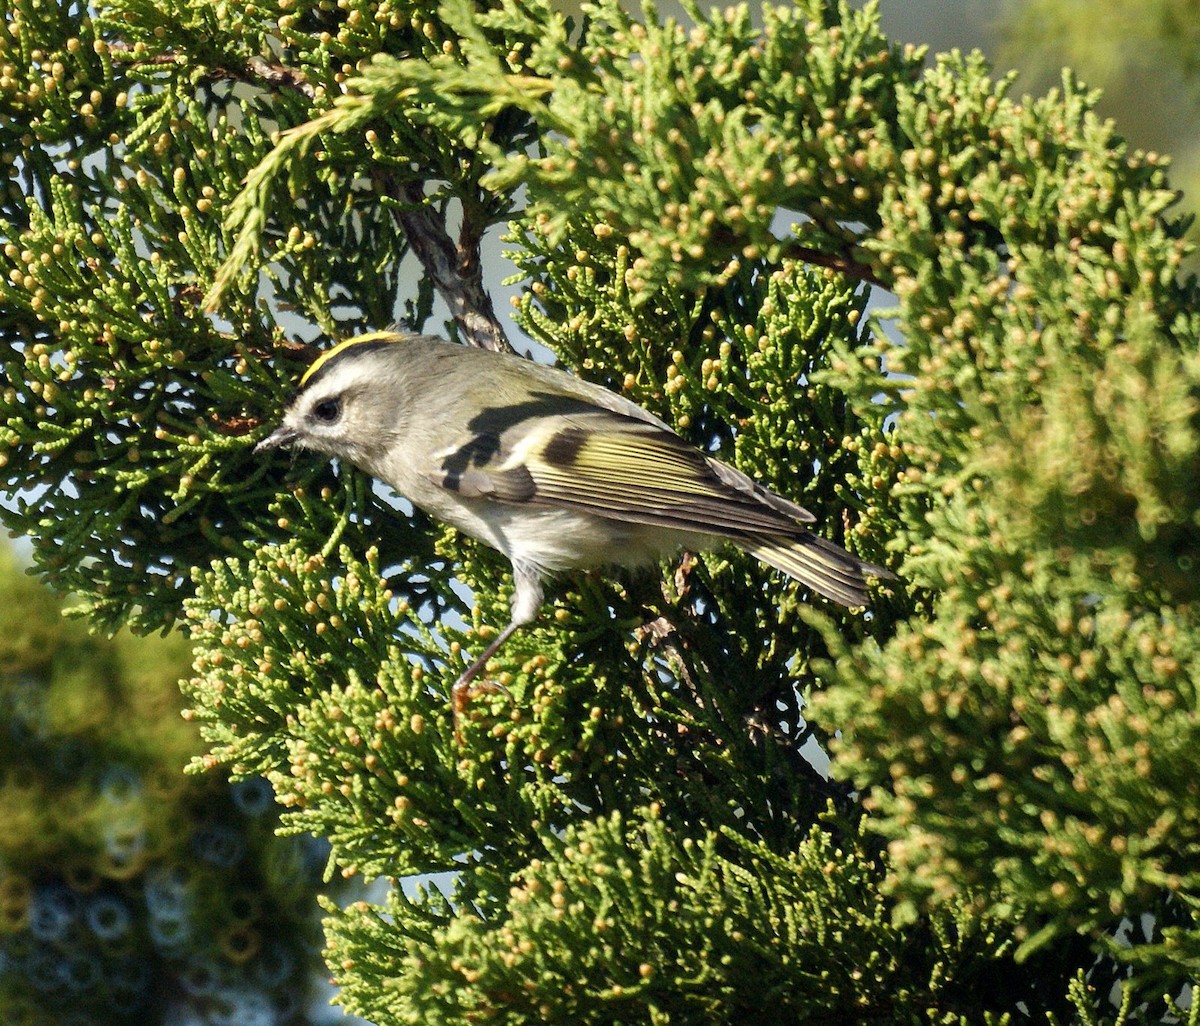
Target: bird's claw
[464,691]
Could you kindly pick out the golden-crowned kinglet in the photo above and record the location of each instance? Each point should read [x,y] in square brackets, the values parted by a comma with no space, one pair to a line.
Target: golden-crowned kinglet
[555,472]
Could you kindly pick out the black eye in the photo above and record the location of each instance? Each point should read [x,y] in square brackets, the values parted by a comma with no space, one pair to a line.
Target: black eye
[328,410]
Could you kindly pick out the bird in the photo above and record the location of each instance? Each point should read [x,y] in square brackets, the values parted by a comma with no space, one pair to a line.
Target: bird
[555,472]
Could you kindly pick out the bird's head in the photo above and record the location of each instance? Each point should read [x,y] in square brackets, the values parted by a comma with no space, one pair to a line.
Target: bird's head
[349,403]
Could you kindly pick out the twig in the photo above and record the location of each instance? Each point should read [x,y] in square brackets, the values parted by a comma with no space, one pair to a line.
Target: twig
[837,262]
[256,71]
[456,270]
[281,75]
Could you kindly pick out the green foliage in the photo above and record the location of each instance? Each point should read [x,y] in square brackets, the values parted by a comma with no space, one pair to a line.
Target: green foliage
[633,832]
[679,929]
[692,158]
[126,416]
[1036,736]
[127,892]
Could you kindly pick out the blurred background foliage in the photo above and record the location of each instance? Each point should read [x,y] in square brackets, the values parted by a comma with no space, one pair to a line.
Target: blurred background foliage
[1141,54]
[130,893]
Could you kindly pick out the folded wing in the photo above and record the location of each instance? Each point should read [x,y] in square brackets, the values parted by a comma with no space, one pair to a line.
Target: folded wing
[614,466]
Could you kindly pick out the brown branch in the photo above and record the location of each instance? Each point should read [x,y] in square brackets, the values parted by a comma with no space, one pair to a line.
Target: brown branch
[455,270]
[281,75]
[837,262]
[257,71]
[119,46]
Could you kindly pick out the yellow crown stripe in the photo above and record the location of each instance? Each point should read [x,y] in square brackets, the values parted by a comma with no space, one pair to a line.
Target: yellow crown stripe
[341,347]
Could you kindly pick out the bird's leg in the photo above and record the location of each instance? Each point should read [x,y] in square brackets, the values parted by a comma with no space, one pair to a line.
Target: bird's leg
[464,690]
[527,598]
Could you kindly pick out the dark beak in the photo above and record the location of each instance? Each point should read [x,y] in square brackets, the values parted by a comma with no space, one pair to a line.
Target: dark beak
[282,437]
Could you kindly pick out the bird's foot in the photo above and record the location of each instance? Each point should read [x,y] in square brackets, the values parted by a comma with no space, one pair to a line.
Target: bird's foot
[465,689]
[464,692]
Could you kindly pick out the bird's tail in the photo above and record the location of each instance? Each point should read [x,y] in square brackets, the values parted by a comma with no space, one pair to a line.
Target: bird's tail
[825,567]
